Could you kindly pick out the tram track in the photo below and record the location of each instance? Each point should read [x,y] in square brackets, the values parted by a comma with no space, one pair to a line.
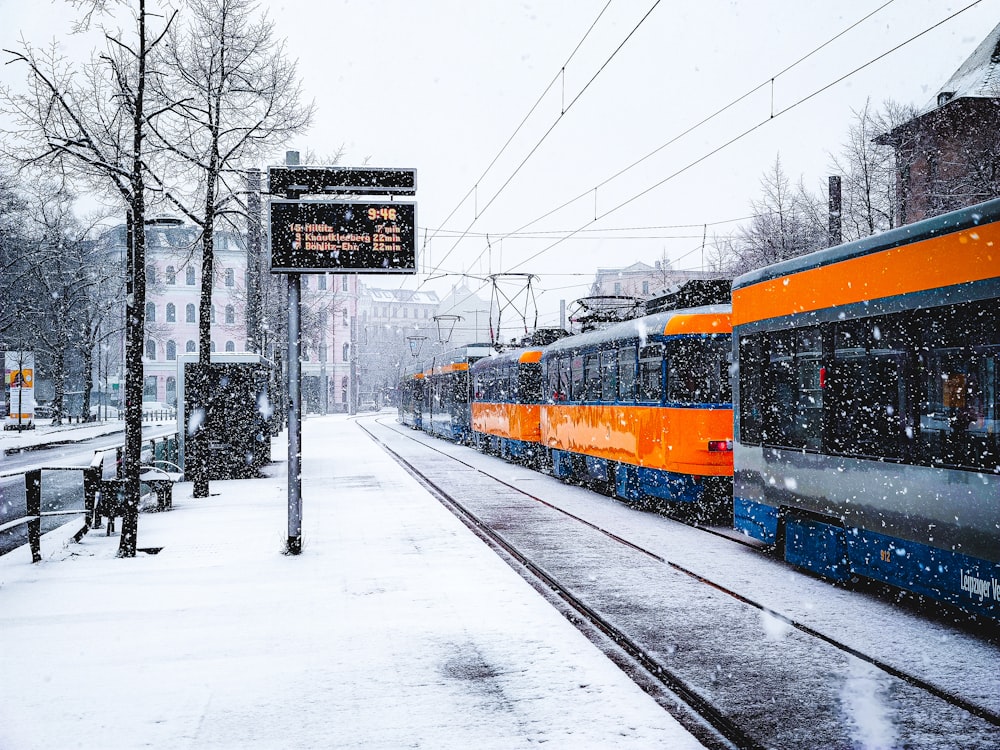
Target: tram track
[728,731]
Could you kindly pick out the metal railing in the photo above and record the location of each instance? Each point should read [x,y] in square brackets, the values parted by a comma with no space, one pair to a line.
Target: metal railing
[156,452]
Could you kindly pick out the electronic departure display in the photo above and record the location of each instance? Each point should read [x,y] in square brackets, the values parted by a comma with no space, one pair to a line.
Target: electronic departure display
[343,236]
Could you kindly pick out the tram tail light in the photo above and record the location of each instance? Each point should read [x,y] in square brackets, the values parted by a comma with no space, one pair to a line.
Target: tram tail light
[720,446]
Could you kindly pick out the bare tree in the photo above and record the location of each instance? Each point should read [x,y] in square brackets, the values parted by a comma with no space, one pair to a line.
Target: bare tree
[786,222]
[60,291]
[91,123]
[12,239]
[867,165]
[239,97]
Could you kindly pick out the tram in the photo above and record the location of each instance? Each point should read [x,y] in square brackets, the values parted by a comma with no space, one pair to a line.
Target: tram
[866,408]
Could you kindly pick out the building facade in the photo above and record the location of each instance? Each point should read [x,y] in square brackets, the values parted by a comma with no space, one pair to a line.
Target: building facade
[948,156]
[173,289]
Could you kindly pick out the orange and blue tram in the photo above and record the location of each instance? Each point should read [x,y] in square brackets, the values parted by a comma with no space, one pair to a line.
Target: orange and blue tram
[866,408]
[506,406]
[643,408]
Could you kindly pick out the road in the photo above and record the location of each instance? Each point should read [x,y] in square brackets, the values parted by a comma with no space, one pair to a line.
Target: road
[61,490]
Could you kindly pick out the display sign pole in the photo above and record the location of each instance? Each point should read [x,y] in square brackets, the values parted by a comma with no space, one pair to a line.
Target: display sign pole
[332,236]
[294,545]
[294,416]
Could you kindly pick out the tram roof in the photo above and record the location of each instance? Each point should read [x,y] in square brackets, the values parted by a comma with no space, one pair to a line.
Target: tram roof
[649,326]
[523,355]
[966,218]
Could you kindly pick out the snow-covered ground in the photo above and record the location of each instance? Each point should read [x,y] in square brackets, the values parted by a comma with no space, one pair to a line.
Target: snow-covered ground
[395,628]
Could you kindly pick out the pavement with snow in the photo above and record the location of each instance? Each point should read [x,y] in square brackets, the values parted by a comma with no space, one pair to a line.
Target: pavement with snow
[395,628]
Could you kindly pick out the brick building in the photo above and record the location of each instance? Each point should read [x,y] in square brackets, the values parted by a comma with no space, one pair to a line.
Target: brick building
[948,156]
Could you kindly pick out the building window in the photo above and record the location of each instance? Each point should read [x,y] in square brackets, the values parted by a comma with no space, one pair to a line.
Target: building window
[150,349]
[230,314]
[230,346]
[171,389]
[213,314]
[150,312]
[171,313]
[305,281]
[149,388]
[171,275]
[230,277]
[213,347]
[645,287]
[618,287]
[346,319]
[171,350]
[189,276]
[343,283]
[426,313]
[322,282]
[150,275]
[189,315]
[322,352]
[347,352]
[190,347]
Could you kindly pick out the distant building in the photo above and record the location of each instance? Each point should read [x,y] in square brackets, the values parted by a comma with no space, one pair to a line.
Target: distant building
[173,288]
[642,281]
[386,318]
[948,156]
[329,316]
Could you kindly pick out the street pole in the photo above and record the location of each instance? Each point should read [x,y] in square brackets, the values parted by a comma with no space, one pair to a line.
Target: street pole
[294,546]
[294,417]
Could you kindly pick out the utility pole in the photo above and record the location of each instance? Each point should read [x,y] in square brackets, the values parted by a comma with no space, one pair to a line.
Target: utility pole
[835,225]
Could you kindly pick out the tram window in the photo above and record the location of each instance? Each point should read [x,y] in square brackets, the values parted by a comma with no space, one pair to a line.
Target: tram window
[960,385]
[530,384]
[576,377]
[626,373]
[562,389]
[866,388]
[752,396]
[551,380]
[796,410]
[609,376]
[591,377]
[651,373]
[698,370]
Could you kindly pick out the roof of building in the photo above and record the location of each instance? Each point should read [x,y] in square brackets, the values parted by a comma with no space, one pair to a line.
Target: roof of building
[978,76]
[400,296]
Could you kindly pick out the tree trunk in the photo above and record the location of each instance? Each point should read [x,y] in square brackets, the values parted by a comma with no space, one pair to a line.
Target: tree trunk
[135,315]
[200,437]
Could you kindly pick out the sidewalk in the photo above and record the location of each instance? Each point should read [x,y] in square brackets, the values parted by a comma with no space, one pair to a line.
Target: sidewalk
[395,627]
[45,434]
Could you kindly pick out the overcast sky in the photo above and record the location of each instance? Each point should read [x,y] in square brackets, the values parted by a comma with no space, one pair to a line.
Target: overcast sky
[441,85]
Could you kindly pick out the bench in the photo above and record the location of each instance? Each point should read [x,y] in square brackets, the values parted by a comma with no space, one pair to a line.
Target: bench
[110,501]
[161,481]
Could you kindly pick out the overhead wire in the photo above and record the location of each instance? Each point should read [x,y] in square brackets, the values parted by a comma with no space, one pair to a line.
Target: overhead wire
[558,75]
[552,127]
[730,142]
[750,130]
[701,123]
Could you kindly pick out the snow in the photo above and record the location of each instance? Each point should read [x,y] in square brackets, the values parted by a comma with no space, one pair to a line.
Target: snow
[395,627]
